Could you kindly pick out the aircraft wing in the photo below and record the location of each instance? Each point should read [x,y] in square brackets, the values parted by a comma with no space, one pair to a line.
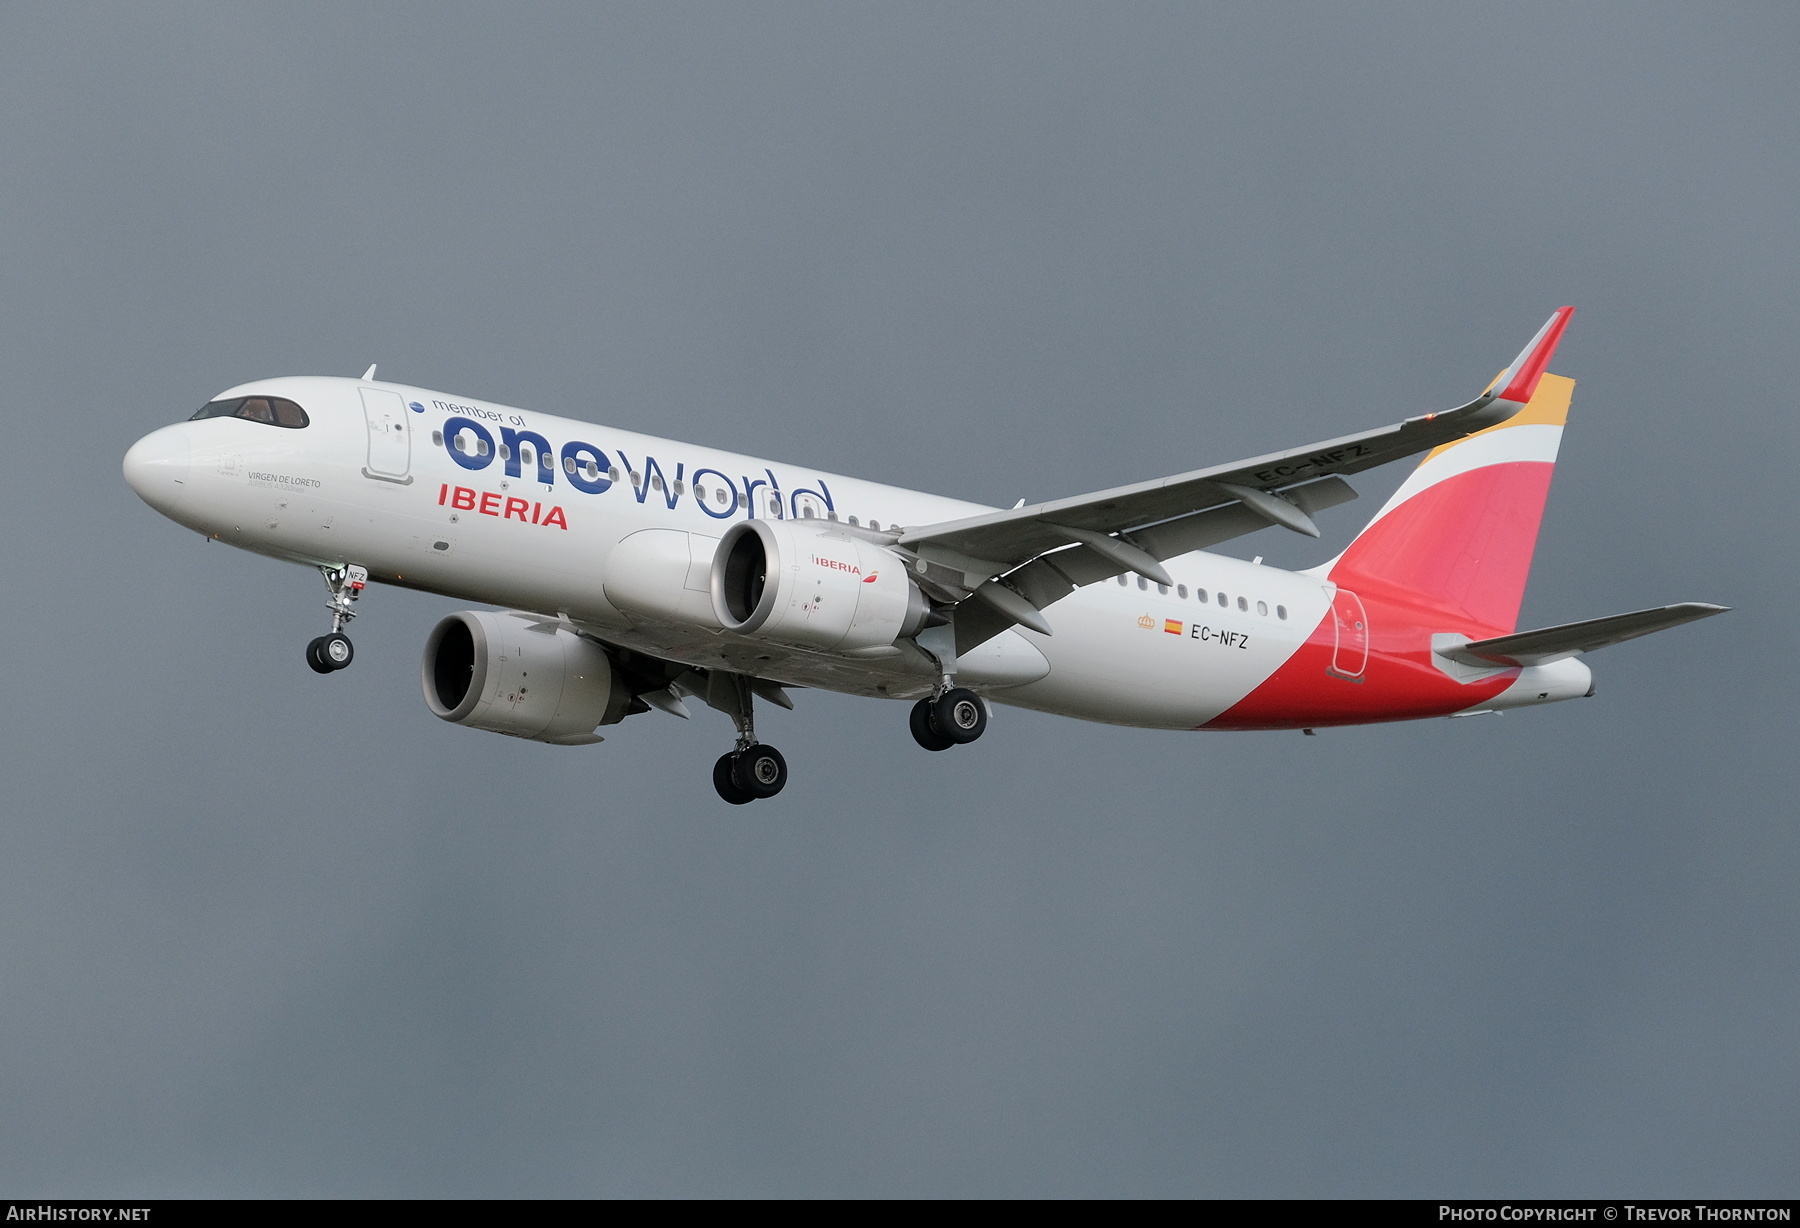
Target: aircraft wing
[1554,643]
[1021,560]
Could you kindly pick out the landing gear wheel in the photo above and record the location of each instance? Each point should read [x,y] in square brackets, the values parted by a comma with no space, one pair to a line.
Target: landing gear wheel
[959,715]
[727,787]
[759,771]
[922,731]
[335,650]
[329,653]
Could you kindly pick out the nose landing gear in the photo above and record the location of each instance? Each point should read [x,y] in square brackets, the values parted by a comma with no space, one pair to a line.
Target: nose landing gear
[329,653]
[955,718]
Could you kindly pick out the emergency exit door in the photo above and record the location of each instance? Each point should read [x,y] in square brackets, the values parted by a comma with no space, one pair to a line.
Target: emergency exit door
[390,435]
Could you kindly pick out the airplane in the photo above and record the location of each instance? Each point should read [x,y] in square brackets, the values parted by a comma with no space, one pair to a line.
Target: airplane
[634,573]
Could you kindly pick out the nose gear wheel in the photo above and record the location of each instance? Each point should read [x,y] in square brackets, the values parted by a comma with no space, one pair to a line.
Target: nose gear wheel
[330,653]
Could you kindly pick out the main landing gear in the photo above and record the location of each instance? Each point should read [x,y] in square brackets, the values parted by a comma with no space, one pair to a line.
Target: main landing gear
[745,775]
[955,718]
[752,770]
[330,653]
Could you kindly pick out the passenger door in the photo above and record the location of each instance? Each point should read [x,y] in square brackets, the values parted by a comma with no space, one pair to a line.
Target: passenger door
[390,435]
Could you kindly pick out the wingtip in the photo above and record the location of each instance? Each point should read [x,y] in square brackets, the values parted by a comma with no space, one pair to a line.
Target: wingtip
[1522,377]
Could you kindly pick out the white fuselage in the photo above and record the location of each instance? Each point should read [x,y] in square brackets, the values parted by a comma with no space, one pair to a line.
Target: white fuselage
[372,480]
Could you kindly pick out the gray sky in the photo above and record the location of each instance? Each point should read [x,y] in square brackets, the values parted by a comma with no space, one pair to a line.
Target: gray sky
[270,933]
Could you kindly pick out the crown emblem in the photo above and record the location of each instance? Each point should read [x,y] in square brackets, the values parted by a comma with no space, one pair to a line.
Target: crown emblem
[1146,622]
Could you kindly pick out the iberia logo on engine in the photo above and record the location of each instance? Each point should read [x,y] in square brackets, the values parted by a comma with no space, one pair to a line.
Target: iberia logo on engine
[501,507]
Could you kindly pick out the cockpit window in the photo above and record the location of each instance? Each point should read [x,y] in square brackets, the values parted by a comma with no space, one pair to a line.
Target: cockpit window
[273,411]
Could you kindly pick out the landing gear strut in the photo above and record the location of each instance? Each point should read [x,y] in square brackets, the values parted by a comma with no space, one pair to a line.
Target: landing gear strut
[752,770]
[330,653]
[955,718]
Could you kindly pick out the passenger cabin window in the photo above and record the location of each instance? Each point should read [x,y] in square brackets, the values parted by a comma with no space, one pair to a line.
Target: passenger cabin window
[270,411]
[1200,595]
[1262,607]
[1243,605]
[1224,600]
[1281,612]
[1181,591]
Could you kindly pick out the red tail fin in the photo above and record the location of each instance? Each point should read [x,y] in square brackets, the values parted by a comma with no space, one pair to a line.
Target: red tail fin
[1458,537]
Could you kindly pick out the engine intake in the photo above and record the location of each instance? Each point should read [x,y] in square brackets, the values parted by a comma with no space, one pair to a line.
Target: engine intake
[521,677]
[813,585]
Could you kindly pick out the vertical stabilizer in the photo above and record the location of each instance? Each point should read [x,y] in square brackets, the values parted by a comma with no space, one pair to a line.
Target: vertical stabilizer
[1458,536]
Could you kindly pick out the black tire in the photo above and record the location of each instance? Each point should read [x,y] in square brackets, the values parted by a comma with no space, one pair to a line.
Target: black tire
[760,771]
[727,787]
[336,650]
[959,715]
[923,731]
[317,663]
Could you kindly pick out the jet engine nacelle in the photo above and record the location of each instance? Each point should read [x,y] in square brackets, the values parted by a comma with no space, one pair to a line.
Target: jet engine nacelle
[814,585]
[521,677]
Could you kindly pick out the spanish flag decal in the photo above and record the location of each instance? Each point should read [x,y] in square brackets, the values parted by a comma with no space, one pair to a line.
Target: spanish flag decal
[1172,626]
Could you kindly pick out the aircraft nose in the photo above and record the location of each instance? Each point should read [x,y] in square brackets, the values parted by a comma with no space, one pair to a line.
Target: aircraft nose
[156,466]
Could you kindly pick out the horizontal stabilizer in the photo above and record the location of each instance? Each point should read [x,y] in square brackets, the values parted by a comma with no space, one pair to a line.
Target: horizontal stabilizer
[1524,648]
